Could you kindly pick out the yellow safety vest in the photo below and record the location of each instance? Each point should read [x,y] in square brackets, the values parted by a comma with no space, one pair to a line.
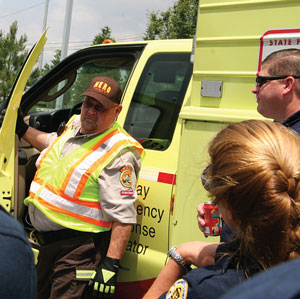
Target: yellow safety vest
[66,188]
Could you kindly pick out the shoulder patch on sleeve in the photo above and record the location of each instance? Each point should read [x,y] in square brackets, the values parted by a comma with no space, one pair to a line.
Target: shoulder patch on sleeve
[126,176]
[178,290]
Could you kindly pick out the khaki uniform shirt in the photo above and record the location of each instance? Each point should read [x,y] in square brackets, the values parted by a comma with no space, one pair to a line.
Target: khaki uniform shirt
[117,203]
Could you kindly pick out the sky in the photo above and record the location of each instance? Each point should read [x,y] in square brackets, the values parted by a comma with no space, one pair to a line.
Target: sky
[126,18]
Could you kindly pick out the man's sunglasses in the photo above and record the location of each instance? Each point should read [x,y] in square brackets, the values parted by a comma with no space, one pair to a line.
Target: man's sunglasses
[98,108]
[261,80]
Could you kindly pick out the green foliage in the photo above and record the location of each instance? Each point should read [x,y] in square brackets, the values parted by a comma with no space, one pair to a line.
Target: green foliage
[179,21]
[56,60]
[12,57]
[104,34]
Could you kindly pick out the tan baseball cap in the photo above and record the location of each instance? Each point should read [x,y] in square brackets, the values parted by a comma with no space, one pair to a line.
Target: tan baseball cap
[105,90]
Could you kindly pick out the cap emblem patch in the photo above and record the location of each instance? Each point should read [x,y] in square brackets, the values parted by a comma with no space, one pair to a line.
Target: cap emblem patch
[126,176]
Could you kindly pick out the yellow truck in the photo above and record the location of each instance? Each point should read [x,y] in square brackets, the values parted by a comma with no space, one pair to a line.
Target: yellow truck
[177,95]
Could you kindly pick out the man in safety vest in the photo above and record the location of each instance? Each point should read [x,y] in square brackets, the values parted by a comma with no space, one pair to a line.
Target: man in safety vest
[82,198]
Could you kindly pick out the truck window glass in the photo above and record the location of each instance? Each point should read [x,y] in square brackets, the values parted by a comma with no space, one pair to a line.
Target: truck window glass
[118,68]
[157,100]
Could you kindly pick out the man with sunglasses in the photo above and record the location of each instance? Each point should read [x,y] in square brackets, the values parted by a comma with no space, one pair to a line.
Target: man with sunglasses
[277,88]
[82,198]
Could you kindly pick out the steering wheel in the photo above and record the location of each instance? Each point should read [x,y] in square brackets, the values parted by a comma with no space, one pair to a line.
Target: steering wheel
[76,109]
[155,144]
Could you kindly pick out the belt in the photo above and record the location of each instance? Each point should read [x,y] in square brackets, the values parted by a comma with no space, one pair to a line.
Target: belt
[44,238]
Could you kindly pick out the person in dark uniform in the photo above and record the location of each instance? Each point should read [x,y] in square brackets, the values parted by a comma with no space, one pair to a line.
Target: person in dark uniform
[279,282]
[253,177]
[17,275]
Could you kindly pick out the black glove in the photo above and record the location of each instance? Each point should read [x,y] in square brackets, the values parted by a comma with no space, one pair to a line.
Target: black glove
[105,279]
[21,126]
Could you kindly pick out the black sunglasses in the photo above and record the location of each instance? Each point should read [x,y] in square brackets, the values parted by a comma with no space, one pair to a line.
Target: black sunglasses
[261,80]
[87,104]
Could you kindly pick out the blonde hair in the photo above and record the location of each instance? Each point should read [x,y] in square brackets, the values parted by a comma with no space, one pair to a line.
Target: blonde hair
[255,173]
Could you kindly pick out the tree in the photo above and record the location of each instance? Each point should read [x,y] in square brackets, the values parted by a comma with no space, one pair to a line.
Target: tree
[12,57]
[177,22]
[56,60]
[104,35]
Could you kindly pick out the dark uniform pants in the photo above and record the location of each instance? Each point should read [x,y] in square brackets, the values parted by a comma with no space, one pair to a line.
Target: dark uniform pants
[58,262]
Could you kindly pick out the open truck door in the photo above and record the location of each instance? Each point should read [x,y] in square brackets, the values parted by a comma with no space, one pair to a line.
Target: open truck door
[8,153]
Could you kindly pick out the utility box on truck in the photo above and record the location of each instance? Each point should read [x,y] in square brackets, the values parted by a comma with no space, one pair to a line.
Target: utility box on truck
[171,105]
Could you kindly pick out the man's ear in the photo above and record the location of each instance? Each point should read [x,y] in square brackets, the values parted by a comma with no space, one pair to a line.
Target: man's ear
[289,84]
[118,110]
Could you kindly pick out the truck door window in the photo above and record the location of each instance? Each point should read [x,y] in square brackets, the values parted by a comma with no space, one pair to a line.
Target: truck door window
[118,68]
[157,100]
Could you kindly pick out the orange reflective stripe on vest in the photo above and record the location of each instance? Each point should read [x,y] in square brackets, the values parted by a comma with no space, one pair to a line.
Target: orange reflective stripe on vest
[79,173]
[76,209]
[92,204]
[88,153]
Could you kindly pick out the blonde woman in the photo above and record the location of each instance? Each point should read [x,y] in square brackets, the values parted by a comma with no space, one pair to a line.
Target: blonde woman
[253,177]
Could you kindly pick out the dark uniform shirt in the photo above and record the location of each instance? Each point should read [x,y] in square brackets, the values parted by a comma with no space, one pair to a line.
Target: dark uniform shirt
[228,233]
[17,272]
[280,282]
[209,282]
[293,122]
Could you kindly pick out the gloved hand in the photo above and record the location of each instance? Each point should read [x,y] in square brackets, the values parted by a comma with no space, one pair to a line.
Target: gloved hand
[21,126]
[105,279]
